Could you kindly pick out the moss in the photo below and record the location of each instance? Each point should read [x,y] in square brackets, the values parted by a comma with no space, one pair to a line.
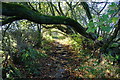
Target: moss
[10,9]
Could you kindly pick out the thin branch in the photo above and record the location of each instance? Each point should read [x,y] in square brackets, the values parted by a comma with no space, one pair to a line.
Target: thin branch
[60,9]
[55,8]
[77,3]
[5,31]
[95,11]
[32,7]
[103,7]
[51,9]
[87,10]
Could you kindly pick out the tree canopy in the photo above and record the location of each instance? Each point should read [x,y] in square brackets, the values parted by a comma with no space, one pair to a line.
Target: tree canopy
[18,12]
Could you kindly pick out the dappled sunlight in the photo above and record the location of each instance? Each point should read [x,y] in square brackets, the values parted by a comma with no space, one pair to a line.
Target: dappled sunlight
[59,58]
[49,40]
[66,41]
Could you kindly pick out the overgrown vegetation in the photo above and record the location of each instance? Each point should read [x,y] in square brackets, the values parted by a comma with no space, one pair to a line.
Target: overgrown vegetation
[50,40]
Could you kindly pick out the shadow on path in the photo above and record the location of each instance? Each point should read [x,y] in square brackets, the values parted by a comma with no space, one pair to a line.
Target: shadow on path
[61,63]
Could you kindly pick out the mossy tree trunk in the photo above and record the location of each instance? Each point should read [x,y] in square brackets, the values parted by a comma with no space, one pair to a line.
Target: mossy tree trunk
[17,12]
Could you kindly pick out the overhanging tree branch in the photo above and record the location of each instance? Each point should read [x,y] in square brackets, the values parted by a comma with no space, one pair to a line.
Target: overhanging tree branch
[10,20]
[22,12]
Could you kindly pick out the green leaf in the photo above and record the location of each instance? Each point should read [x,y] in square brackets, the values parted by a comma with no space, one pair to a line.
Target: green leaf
[117,56]
[109,21]
[107,29]
[114,19]
[26,55]
[91,29]
[91,24]
[114,45]
[111,11]
[112,5]
[99,23]
[105,17]
[100,38]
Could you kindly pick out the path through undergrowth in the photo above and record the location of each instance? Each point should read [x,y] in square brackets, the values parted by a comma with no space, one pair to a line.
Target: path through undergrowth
[61,62]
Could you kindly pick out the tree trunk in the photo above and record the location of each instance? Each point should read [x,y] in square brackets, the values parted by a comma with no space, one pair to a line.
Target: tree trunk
[22,12]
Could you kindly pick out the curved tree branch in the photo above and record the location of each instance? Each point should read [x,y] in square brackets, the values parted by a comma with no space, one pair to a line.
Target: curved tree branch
[10,20]
[9,9]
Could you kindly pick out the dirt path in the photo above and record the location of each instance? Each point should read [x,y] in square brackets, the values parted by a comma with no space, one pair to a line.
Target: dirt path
[61,62]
